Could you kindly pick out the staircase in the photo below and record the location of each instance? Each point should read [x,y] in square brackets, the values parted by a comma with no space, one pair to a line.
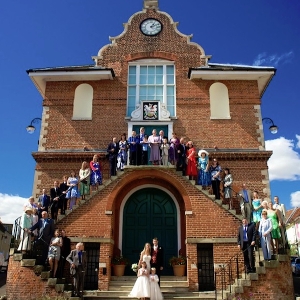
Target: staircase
[172,287]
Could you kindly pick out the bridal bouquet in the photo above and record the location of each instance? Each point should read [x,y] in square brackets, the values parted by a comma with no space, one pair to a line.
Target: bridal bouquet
[134,267]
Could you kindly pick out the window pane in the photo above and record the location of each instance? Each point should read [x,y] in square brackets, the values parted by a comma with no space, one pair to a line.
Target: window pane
[132,70]
[143,70]
[159,79]
[151,90]
[170,79]
[131,79]
[159,98]
[170,70]
[151,70]
[159,90]
[171,109]
[143,91]
[170,90]
[159,70]
[131,101]
[131,91]
[151,79]
[143,79]
[170,100]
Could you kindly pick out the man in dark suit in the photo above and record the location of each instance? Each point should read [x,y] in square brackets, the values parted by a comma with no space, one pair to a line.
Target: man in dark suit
[246,242]
[46,231]
[157,258]
[64,201]
[112,150]
[181,163]
[55,201]
[44,201]
[78,262]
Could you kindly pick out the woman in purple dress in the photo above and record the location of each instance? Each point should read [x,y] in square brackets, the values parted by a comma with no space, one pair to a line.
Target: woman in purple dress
[174,143]
[96,176]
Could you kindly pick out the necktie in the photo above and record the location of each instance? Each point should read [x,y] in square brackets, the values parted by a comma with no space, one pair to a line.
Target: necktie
[245,233]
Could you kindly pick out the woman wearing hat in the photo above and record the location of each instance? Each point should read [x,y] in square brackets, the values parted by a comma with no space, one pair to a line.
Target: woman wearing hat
[204,177]
[26,223]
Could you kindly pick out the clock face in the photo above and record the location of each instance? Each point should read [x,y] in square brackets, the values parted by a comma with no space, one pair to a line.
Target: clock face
[151,27]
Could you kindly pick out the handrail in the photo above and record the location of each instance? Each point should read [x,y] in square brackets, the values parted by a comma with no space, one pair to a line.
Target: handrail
[229,271]
[21,236]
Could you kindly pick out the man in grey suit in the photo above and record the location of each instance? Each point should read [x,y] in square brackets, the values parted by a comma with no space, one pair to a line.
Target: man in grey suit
[78,262]
[46,230]
[245,197]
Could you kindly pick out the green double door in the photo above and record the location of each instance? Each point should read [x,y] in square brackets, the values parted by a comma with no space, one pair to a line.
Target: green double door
[149,213]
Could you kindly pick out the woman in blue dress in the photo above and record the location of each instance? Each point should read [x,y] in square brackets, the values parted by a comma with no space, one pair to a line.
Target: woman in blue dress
[122,155]
[204,177]
[96,176]
[72,192]
[256,208]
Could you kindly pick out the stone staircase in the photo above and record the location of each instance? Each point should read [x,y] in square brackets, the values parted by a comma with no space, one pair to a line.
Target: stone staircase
[212,197]
[172,287]
[246,280]
[105,183]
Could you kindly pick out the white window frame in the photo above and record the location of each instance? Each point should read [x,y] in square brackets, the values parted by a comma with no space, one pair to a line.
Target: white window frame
[152,62]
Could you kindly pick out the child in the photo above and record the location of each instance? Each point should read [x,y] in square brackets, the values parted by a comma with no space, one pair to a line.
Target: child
[145,150]
[165,152]
[141,288]
[155,293]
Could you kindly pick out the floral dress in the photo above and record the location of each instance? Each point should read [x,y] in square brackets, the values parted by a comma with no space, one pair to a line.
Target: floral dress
[256,214]
[122,155]
[96,176]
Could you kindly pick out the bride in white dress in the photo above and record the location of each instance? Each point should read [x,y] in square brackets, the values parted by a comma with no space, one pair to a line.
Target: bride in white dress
[146,256]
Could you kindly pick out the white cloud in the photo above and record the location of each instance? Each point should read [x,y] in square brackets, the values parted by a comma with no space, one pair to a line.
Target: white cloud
[11,207]
[284,164]
[295,199]
[298,143]
[273,59]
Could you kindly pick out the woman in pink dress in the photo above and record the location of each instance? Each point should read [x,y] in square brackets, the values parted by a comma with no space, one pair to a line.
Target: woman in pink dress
[154,143]
[191,169]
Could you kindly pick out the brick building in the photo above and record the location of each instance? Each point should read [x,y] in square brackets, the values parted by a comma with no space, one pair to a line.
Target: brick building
[217,106]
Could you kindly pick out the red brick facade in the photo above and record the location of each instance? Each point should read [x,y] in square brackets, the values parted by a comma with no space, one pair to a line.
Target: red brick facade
[238,141]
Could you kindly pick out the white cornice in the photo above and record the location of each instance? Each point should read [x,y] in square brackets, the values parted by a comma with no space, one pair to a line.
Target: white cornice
[41,78]
[262,77]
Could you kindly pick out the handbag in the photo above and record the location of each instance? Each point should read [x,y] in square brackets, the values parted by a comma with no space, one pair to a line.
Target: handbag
[84,181]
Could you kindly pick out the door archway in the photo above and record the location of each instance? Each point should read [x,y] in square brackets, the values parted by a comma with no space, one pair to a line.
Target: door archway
[148,213]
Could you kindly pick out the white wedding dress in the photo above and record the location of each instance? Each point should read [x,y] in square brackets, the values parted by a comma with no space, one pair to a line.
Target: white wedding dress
[141,288]
[147,259]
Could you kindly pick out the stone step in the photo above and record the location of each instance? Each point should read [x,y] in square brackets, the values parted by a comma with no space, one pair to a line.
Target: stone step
[163,279]
[93,295]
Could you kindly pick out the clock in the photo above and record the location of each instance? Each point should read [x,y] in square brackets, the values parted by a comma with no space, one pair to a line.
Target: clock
[151,27]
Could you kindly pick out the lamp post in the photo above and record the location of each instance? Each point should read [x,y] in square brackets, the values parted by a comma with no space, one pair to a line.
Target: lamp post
[30,128]
[273,128]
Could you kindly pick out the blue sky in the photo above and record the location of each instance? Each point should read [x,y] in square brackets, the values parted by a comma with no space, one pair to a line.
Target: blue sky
[60,33]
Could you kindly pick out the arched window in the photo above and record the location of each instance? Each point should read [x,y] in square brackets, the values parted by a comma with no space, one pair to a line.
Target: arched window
[219,101]
[83,102]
